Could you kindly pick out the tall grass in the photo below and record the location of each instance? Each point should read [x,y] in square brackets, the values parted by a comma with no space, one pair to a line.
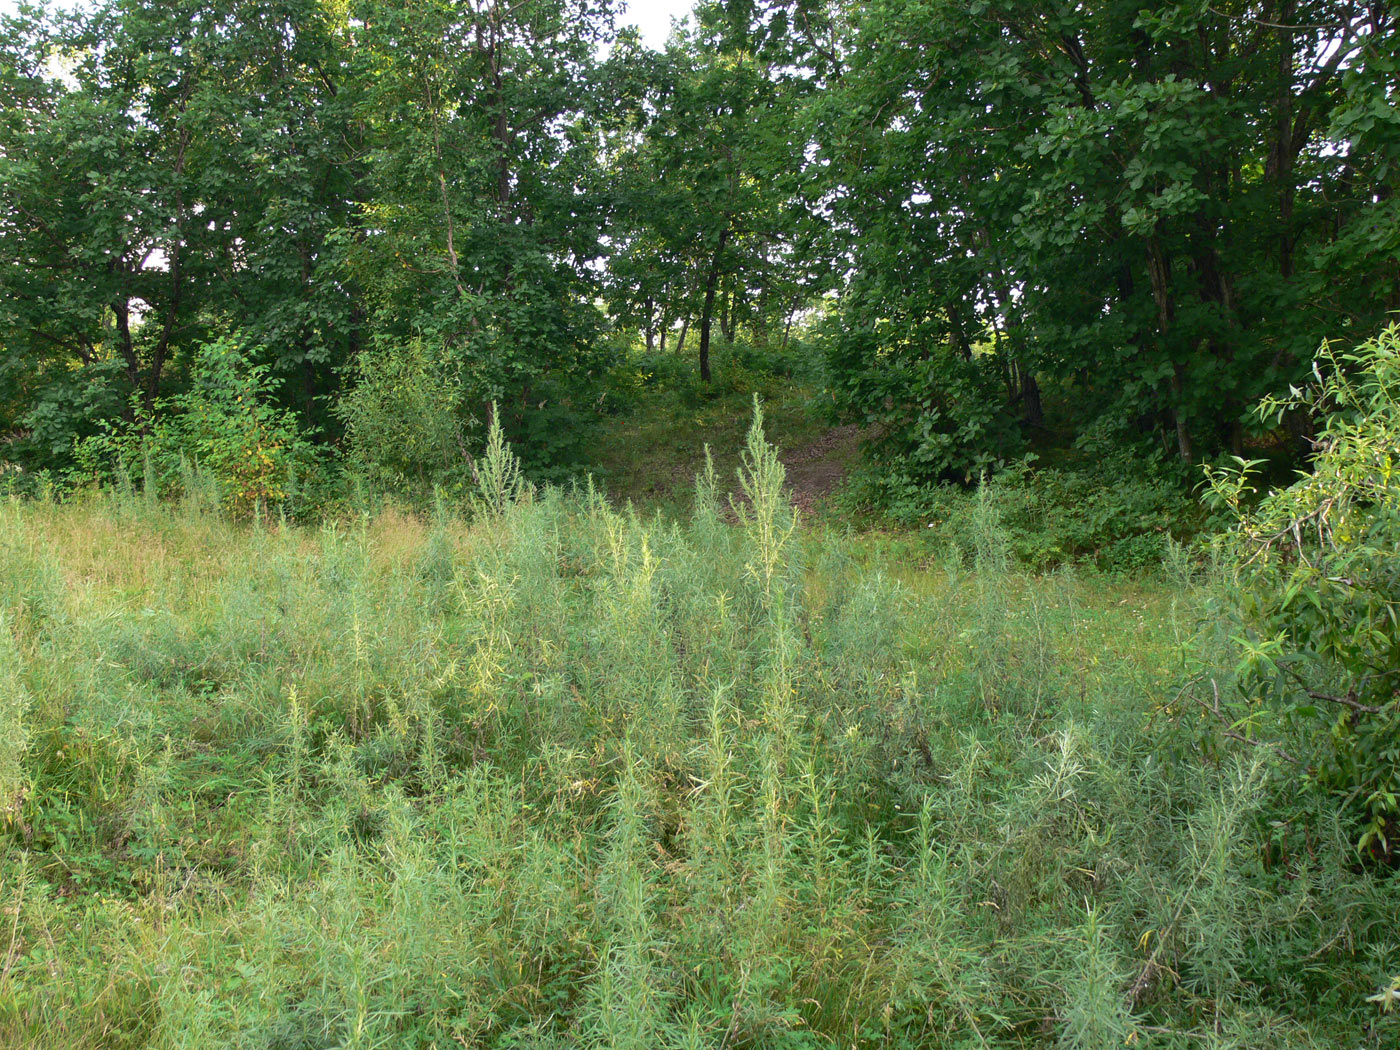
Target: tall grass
[544,772]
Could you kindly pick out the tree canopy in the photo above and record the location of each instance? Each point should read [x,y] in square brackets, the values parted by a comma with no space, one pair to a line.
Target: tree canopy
[1166,210]
[1150,217]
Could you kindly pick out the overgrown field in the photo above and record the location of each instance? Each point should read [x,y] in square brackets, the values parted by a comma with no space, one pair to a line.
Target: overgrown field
[546,773]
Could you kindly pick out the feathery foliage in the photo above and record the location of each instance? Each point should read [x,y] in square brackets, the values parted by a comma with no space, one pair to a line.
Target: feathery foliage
[559,774]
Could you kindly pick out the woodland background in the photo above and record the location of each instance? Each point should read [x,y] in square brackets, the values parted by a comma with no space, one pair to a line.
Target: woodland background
[872,525]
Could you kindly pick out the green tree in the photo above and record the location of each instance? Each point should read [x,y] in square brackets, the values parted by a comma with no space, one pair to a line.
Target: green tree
[481,232]
[167,171]
[710,219]
[1163,210]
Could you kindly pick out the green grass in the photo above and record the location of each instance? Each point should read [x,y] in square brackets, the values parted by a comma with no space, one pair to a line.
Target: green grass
[651,453]
[551,774]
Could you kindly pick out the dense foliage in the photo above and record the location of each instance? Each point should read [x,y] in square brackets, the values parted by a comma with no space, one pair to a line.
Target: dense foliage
[1160,210]
[1319,572]
[381,198]
[323,181]
[169,172]
[1144,220]
[322,723]
[225,436]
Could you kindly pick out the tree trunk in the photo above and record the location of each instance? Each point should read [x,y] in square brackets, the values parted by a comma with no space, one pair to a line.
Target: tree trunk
[707,312]
[162,347]
[958,334]
[760,320]
[1030,390]
[726,299]
[650,329]
[1184,447]
[122,308]
[308,389]
[1159,270]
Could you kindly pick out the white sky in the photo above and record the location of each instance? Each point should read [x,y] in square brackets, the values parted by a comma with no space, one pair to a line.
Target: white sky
[652,17]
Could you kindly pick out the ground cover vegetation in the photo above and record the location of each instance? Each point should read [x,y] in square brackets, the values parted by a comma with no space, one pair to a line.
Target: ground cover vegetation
[410,638]
[551,773]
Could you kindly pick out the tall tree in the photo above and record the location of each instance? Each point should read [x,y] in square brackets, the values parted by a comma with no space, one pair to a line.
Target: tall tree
[165,171]
[483,226]
[1143,204]
[711,180]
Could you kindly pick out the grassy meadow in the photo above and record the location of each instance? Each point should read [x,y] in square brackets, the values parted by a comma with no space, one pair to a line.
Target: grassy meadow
[546,772]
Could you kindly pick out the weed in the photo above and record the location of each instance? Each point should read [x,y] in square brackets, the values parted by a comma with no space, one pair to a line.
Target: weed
[544,772]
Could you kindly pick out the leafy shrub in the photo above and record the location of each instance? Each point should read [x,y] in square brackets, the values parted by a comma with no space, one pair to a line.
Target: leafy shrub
[1121,516]
[405,417]
[226,427]
[738,369]
[759,357]
[939,416]
[553,426]
[669,370]
[414,418]
[63,411]
[1318,570]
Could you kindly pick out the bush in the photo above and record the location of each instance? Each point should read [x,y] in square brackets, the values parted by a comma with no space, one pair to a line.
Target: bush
[226,429]
[405,417]
[1318,571]
[1120,516]
[62,412]
[939,416]
[416,413]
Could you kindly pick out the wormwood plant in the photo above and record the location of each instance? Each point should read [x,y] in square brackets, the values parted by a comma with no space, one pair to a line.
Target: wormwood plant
[1318,569]
[629,1004]
[14,730]
[549,773]
[765,512]
[497,474]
